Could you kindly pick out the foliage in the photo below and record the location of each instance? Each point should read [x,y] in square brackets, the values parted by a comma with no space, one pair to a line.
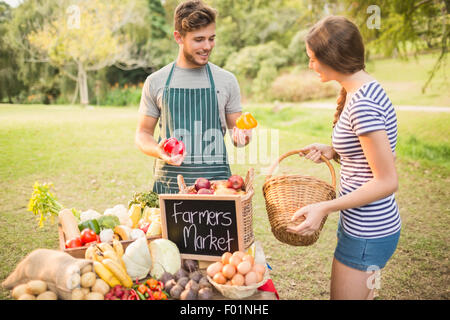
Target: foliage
[143,199]
[406,27]
[43,203]
[124,41]
[117,96]
[247,62]
[299,86]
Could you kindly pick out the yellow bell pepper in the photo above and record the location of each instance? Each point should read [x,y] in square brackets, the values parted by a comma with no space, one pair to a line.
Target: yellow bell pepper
[246,121]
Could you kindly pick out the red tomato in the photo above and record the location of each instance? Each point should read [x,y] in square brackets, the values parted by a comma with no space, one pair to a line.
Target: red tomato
[169,145]
[74,243]
[87,235]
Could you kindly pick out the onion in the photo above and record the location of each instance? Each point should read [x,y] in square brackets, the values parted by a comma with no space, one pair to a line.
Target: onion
[228,271]
[214,268]
[219,278]
[251,278]
[244,267]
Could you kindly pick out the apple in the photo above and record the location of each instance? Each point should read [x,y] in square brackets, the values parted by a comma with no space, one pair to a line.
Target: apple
[202,183]
[205,191]
[236,182]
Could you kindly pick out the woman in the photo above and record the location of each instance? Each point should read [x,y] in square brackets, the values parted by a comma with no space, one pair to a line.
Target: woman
[363,141]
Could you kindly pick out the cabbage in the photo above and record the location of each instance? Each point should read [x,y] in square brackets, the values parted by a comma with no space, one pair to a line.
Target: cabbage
[139,253]
[165,257]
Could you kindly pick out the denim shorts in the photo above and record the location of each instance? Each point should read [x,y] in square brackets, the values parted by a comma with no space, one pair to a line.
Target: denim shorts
[364,254]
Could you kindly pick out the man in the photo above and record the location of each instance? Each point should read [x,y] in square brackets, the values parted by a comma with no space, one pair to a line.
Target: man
[195,101]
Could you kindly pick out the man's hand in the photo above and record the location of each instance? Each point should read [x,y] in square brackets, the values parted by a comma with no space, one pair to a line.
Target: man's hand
[241,137]
[174,160]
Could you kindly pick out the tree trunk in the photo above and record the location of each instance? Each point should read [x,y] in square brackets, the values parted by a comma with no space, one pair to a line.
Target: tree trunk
[82,84]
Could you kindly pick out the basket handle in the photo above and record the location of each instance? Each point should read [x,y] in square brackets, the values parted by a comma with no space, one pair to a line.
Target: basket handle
[302,154]
[249,180]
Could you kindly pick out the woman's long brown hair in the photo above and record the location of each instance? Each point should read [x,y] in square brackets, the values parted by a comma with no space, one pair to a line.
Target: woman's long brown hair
[337,42]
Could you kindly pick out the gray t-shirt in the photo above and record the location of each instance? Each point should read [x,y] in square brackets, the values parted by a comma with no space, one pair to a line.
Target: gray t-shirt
[227,88]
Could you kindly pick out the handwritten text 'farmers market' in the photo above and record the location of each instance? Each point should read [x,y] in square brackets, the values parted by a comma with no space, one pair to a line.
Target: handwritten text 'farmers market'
[210,218]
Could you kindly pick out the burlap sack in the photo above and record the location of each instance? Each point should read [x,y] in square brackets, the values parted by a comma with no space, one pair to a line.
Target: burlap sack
[60,270]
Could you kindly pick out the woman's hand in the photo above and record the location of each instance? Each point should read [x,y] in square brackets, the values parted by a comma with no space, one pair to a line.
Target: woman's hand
[315,150]
[174,160]
[313,214]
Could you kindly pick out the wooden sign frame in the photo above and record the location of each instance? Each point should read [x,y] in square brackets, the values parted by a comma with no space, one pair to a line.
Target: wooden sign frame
[239,219]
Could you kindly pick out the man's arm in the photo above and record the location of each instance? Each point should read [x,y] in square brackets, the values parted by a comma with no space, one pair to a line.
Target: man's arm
[231,119]
[144,138]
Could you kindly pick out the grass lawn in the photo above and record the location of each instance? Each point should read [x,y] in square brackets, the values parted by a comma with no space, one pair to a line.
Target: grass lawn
[89,155]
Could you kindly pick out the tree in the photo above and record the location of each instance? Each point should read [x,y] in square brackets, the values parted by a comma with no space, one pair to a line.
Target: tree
[10,85]
[406,26]
[86,36]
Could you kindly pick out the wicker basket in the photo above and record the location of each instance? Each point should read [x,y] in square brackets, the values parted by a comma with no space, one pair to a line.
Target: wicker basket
[285,194]
[239,292]
[246,203]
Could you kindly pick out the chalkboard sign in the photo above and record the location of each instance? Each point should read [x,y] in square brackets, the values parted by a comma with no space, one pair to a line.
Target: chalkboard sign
[202,226]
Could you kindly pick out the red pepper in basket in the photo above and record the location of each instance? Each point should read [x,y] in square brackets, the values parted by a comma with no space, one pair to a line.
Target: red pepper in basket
[150,294]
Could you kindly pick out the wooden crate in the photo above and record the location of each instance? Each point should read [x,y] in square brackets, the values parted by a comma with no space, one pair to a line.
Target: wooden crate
[79,253]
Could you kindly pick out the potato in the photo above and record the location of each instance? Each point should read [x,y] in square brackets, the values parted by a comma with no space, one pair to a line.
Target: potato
[100,286]
[78,294]
[85,291]
[192,285]
[94,296]
[204,283]
[87,268]
[36,287]
[74,281]
[205,294]
[196,276]
[188,294]
[88,279]
[47,295]
[27,296]
[183,281]
[175,292]
[170,284]
[19,290]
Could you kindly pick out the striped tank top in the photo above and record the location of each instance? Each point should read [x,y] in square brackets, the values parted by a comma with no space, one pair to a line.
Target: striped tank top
[368,110]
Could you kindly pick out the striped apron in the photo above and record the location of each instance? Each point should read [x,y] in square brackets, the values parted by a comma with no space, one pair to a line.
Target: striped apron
[191,116]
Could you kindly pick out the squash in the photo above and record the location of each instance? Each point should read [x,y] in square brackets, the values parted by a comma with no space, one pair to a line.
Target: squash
[135,214]
[69,224]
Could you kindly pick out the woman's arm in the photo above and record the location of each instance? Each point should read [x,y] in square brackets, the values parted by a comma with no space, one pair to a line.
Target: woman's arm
[379,155]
